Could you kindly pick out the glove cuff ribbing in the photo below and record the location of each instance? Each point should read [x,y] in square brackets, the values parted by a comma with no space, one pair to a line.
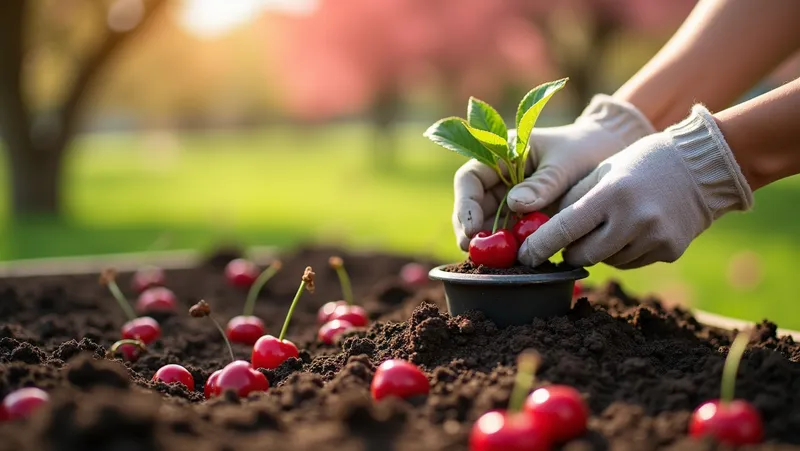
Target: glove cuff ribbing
[706,154]
[620,118]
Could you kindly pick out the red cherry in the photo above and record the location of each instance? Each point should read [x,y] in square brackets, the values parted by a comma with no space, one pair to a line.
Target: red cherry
[331,330]
[733,423]
[241,273]
[353,314]
[244,329]
[144,328]
[212,388]
[269,352]
[242,378]
[130,353]
[560,409]
[325,312]
[156,299]
[528,224]
[174,373]
[498,250]
[501,431]
[577,289]
[398,378]
[414,274]
[22,403]
[148,277]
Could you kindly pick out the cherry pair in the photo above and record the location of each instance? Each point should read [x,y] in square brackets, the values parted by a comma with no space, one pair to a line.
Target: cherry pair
[248,328]
[533,422]
[498,249]
[338,317]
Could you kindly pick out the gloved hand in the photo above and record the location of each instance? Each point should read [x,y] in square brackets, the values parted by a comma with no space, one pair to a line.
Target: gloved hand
[648,202]
[561,156]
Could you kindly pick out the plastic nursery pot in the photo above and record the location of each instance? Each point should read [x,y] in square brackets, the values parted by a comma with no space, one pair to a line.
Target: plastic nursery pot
[509,299]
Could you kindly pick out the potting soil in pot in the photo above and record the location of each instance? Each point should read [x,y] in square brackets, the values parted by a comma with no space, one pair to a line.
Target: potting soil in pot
[642,368]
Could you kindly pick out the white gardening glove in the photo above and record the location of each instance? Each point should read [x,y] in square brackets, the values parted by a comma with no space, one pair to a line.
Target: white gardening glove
[648,202]
[561,156]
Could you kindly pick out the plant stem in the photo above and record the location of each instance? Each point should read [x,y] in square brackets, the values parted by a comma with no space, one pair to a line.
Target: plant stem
[224,337]
[527,363]
[121,300]
[512,172]
[732,366]
[344,281]
[261,280]
[291,310]
[505,220]
[497,215]
[502,178]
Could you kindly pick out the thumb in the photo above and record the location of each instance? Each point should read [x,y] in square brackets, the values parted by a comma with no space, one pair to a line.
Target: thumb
[538,191]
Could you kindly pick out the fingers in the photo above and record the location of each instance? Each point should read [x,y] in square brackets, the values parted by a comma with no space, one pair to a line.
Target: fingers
[542,188]
[586,184]
[602,243]
[470,185]
[566,227]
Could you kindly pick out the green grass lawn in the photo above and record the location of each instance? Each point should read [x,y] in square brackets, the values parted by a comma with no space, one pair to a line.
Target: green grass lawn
[289,186]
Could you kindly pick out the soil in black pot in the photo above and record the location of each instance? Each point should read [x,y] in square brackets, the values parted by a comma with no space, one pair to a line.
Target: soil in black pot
[469,267]
[642,367]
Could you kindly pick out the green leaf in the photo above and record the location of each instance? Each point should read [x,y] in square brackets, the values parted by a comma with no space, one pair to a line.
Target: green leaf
[536,94]
[492,142]
[452,134]
[482,116]
[529,110]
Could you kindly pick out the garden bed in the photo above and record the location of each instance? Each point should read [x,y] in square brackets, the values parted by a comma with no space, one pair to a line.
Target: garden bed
[642,367]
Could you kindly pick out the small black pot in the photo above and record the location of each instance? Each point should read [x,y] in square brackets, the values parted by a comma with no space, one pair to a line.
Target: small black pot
[509,299]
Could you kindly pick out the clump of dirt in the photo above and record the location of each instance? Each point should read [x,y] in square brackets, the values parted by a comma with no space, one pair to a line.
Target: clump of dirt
[642,367]
[470,267]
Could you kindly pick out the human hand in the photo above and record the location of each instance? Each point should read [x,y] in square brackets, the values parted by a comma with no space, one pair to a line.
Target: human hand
[561,156]
[648,202]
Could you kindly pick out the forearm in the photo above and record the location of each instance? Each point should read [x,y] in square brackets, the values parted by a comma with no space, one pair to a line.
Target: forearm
[764,134]
[723,48]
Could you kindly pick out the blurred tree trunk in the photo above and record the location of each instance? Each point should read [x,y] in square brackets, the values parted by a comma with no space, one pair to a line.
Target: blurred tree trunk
[384,114]
[36,154]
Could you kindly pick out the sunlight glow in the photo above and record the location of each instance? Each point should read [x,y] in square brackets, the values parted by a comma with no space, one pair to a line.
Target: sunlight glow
[213,18]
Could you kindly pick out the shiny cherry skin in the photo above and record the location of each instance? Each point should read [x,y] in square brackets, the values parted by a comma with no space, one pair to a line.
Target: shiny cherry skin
[503,431]
[148,277]
[414,274]
[144,328]
[241,273]
[22,403]
[330,331]
[245,329]
[560,409]
[400,379]
[212,388]
[325,312]
[734,423]
[528,224]
[353,314]
[577,289]
[498,250]
[269,352]
[174,373]
[156,299]
[240,377]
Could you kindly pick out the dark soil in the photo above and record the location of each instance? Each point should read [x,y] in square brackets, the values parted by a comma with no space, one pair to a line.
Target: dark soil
[469,267]
[641,366]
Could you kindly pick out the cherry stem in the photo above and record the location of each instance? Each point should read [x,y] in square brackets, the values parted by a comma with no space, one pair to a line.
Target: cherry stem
[126,341]
[291,309]
[527,363]
[732,366]
[121,300]
[344,280]
[224,337]
[505,220]
[258,284]
[497,215]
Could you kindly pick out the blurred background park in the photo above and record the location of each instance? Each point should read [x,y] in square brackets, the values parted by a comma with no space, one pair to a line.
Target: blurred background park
[289,122]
